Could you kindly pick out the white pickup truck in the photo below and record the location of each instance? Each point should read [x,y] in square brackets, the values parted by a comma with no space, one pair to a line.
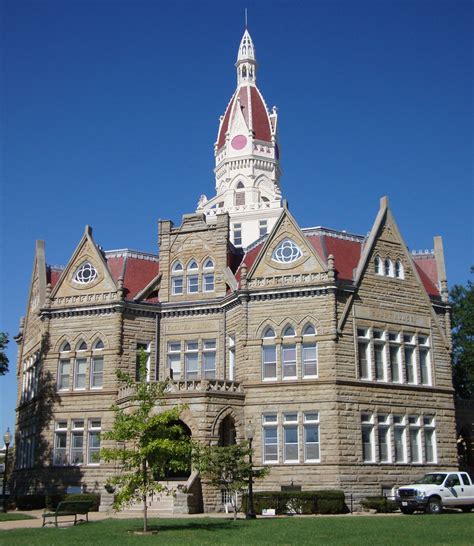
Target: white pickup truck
[437,490]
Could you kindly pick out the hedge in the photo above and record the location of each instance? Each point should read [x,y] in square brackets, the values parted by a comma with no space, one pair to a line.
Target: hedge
[37,502]
[381,504]
[298,502]
[30,502]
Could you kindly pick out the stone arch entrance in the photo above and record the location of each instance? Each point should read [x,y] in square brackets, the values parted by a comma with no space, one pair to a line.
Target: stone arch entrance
[183,474]
[227,433]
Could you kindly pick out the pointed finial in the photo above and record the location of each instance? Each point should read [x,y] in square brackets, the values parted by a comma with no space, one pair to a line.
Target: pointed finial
[245,18]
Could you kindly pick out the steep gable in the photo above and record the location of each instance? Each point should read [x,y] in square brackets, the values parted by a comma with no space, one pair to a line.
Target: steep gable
[286,258]
[86,278]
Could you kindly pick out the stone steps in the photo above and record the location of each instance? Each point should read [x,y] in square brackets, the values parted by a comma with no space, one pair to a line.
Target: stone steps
[160,503]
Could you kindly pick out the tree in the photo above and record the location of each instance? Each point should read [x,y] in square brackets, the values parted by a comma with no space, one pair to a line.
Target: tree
[227,468]
[462,301]
[3,357]
[152,443]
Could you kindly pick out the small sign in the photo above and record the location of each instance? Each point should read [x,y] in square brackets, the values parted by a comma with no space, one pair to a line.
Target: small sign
[268,512]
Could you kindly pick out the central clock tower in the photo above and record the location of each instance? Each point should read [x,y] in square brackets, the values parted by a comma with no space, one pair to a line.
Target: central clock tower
[247,158]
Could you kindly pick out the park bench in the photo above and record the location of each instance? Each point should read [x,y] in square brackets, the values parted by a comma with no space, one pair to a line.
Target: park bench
[68,508]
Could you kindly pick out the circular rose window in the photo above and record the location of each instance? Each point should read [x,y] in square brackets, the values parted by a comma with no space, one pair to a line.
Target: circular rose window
[238,142]
[286,252]
[85,274]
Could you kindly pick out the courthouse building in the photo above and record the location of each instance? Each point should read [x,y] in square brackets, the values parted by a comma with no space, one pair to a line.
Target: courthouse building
[335,346]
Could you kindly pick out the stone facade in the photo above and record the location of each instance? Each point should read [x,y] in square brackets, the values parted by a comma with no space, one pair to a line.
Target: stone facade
[336,347]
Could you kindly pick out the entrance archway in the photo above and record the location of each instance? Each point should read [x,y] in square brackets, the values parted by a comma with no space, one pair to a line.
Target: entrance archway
[227,431]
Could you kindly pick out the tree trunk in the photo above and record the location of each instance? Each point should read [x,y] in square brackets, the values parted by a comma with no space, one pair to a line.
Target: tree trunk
[145,508]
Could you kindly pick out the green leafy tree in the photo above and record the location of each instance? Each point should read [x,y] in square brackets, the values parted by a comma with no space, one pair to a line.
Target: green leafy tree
[462,301]
[228,469]
[150,443]
[3,357]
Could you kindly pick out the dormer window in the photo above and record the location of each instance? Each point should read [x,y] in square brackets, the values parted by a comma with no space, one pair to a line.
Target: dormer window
[286,252]
[85,274]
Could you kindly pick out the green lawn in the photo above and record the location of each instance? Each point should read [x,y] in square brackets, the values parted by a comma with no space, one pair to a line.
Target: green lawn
[446,529]
[10,516]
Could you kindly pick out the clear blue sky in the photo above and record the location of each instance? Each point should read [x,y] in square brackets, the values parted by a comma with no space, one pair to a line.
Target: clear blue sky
[109,113]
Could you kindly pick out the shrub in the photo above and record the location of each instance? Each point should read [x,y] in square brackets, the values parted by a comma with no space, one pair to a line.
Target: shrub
[299,502]
[30,502]
[94,498]
[52,500]
[381,504]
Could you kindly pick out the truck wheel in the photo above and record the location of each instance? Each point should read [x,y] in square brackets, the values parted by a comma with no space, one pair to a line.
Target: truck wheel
[434,506]
[407,510]
[466,509]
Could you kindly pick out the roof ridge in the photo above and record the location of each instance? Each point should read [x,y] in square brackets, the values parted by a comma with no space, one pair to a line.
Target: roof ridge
[129,253]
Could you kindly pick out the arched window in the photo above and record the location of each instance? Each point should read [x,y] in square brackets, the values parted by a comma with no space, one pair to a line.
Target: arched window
[99,344]
[244,72]
[65,347]
[81,346]
[208,276]
[378,265]
[309,330]
[240,186]
[269,332]
[192,277]
[177,267]
[387,267]
[288,354]
[399,270]
[289,331]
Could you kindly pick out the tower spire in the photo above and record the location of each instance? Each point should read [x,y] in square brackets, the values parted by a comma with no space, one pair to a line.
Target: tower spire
[246,62]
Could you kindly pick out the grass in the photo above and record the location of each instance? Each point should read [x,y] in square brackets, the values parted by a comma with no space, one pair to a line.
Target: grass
[446,529]
[11,516]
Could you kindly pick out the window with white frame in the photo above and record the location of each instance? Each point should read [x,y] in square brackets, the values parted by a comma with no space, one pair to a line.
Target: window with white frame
[60,457]
[368,445]
[399,272]
[93,441]
[430,439]
[64,374]
[231,359]
[269,362]
[270,438]
[379,355]
[290,438]
[383,424]
[77,442]
[174,360]
[424,360]
[209,358]
[311,436]
[237,234]
[409,351]
[310,360]
[192,277]
[394,355]
[288,354]
[208,276]
[30,377]
[191,360]
[378,266]
[177,279]
[388,267]
[80,366]
[400,441]
[97,365]
[262,227]
[363,353]
[415,440]
[26,446]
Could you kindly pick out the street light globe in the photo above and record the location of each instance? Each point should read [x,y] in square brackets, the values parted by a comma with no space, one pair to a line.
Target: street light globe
[249,431]
[7,437]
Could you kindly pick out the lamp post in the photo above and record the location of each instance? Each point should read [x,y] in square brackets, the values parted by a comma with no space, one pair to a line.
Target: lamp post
[249,433]
[7,437]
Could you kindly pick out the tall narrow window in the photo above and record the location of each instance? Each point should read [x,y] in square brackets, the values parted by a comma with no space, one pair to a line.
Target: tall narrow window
[363,350]
[378,266]
[193,284]
[311,437]
[424,355]
[430,439]
[240,195]
[60,444]
[269,362]
[177,279]
[290,431]
[64,374]
[409,359]
[77,442]
[368,438]
[415,446]
[80,373]
[93,444]
[231,363]
[399,274]
[208,277]
[97,372]
[174,360]
[270,438]
[388,268]
[394,352]
[191,360]
[237,232]
[209,358]
[289,361]
[379,355]
[384,438]
[262,227]
[399,433]
[310,360]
